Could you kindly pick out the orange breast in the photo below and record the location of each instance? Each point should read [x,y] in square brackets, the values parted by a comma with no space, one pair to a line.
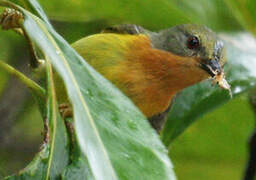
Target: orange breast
[153,76]
[143,81]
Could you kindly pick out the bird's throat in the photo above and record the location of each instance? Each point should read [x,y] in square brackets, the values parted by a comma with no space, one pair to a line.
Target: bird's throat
[153,77]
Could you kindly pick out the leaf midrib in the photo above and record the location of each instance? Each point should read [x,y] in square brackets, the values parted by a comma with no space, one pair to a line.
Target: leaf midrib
[84,105]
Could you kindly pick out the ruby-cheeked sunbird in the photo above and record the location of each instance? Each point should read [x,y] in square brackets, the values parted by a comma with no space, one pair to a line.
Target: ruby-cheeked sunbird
[152,67]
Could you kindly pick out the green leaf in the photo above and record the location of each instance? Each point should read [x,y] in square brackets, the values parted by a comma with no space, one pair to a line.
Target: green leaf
[59,151]
[116,138]
[154,14]
[79,167]
[245,13]
[33,6]
[60,154]
[214,14]
[54,157]
[197,100]
[78,170]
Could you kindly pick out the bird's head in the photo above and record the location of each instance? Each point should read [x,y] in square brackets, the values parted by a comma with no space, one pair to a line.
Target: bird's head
[198,43]
[190,40]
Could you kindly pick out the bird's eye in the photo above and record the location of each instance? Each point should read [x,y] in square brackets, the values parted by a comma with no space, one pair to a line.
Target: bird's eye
[193,42]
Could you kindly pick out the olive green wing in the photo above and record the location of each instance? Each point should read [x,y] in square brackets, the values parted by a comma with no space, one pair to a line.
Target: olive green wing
[125,29]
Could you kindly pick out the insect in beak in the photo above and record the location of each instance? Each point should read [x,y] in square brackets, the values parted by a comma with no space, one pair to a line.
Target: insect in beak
[215,70]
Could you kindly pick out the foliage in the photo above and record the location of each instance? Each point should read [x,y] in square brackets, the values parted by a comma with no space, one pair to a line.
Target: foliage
[118,135]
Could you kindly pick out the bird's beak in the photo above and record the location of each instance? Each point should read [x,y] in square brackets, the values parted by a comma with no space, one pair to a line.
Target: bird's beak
[212,67]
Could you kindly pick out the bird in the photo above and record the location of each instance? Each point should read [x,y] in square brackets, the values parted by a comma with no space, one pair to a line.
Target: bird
[151,68]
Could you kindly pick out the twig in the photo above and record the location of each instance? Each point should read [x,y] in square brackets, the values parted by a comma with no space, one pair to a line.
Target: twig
[12,19]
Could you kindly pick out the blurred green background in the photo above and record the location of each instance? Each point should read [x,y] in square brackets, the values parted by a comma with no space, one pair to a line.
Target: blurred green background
[215,147]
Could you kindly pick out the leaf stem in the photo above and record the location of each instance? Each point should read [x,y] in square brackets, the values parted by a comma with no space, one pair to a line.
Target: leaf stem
[32,85]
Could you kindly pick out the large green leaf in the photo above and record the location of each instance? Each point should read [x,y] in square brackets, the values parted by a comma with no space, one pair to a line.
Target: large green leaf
[197,100]
[54,156]
[79,167]
[115,136]
[214,14]
[245,13]
[153,14]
